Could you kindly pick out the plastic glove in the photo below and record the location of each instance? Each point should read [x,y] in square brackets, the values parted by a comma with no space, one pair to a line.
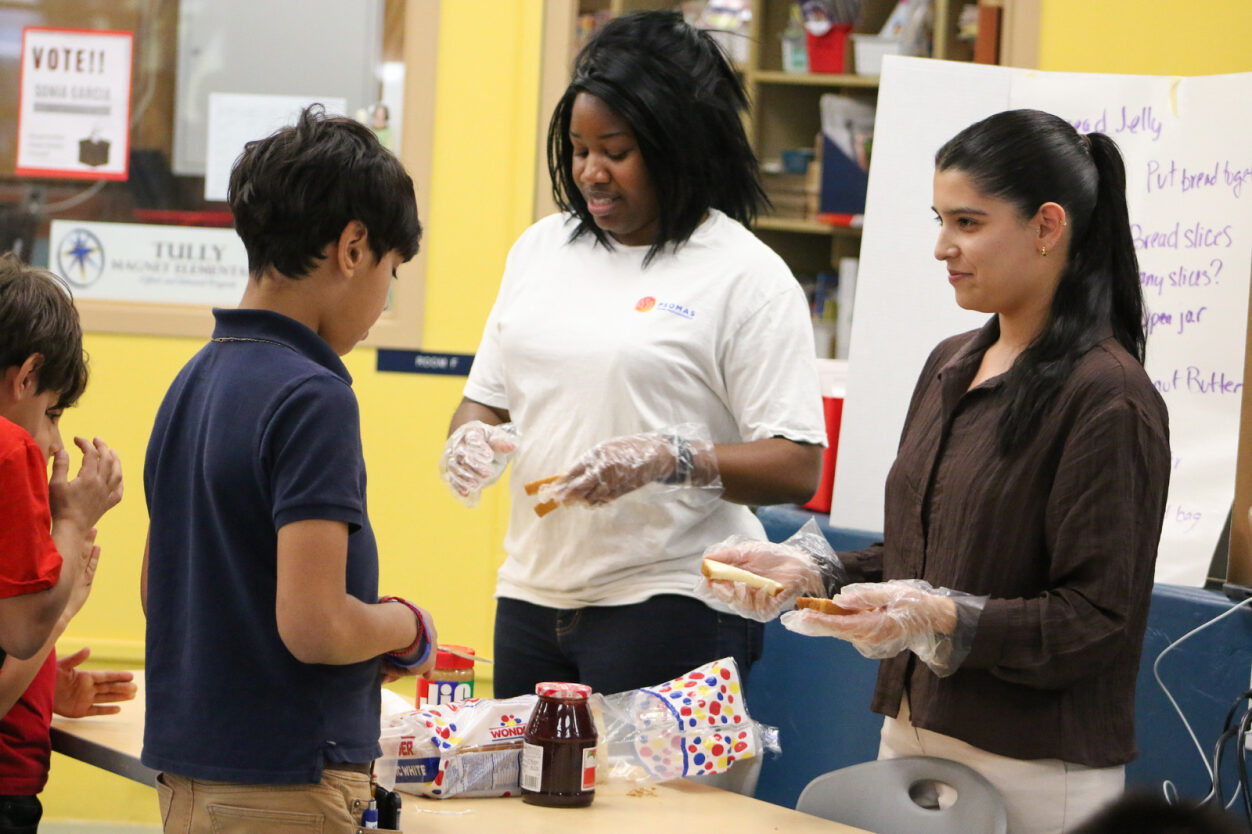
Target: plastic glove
[475,456]
[802,564]
[936,624]
[678,457]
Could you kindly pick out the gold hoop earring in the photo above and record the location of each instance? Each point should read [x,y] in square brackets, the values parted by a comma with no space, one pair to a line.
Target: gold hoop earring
[1043,250]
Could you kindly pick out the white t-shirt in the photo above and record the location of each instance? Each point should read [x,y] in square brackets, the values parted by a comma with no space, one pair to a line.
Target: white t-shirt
[584,344]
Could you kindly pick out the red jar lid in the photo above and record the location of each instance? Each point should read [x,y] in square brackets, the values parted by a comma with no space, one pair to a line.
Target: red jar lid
[563,691]
[447,660]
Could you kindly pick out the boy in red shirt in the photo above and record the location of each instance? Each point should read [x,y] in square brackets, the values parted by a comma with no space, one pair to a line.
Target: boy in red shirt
[47,531]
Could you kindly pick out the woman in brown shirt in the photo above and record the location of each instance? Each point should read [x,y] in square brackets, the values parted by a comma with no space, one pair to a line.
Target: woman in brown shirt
[1030,480]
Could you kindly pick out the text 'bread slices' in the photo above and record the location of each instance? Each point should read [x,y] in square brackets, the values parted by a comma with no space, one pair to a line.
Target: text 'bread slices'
[714,569]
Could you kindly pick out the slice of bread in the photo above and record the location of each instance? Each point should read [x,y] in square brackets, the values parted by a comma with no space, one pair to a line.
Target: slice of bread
[533,487]
[822,606]
[714,569]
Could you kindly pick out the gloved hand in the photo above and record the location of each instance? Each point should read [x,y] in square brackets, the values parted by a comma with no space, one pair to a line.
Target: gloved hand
[802,565]
[936,624]
[614,467]
[475,456]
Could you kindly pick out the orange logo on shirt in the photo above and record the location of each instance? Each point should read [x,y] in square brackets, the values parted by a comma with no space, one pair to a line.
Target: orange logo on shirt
[645,304]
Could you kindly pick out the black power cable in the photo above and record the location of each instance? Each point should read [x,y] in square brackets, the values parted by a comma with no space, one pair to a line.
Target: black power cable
[1237,730]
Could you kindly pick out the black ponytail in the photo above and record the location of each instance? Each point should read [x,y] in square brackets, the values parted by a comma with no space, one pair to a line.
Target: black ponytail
[1029,158]
[1110,249]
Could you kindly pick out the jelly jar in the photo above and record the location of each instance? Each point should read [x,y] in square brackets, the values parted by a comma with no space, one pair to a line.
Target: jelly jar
[559,748]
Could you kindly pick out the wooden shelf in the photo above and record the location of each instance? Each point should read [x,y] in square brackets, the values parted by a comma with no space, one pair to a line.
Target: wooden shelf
[803,226]
[814,79]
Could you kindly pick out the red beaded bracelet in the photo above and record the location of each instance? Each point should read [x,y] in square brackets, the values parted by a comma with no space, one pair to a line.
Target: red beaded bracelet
[421,628]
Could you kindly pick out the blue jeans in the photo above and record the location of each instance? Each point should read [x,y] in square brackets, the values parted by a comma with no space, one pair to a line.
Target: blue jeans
[614,648]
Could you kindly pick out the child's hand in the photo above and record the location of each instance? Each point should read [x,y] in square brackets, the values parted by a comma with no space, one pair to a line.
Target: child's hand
[80,692]
[90,558]
[96,489]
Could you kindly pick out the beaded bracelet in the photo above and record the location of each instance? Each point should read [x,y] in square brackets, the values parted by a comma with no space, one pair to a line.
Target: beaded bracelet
[421,644]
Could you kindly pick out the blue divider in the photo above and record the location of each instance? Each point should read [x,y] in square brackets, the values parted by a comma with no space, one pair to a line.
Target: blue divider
[817,691]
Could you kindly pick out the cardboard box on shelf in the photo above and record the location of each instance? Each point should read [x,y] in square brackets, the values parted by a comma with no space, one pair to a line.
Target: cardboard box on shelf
[792,195]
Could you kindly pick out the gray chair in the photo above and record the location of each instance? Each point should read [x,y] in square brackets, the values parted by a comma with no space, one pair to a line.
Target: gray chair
[896,796]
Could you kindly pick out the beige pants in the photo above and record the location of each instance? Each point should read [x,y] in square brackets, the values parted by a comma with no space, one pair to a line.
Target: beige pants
[1042,796]
[197,806]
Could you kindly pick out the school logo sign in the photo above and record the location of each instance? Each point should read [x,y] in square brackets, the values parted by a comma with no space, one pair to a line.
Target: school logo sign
[80,258]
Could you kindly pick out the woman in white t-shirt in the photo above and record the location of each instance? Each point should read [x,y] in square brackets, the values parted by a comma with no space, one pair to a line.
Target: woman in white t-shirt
[653,354]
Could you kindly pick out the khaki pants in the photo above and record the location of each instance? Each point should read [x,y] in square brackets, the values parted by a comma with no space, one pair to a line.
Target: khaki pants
[1042,796]
[198,806]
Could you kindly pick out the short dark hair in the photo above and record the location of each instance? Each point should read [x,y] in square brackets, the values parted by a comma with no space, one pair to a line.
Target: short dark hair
[293,192]
[676,89]
[38,316]
[1028,158]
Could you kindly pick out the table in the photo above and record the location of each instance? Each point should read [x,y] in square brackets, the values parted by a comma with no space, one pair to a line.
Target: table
[113,742]
[675,806]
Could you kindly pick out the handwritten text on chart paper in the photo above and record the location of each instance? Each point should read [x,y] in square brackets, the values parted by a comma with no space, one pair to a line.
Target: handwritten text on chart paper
[1170,176]
[1194,380]
[1178,321]
[1182,516]
[1182,276]
[1125,120]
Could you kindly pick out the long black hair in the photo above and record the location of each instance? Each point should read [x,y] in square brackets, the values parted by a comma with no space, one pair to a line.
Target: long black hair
[1028,158]
[675,88]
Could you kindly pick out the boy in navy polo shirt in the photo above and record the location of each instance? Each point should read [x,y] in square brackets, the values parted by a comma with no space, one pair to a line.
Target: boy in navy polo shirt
[266,639]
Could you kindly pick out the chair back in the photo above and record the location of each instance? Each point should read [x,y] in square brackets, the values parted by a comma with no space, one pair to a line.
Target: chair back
[883,797]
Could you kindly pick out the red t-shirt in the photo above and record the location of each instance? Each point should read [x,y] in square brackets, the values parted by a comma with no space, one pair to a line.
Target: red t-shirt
[25,736]
[29,560]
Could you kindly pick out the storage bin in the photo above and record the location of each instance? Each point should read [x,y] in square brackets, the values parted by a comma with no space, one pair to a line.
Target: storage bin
[844,182]
[868,52]
[828,52]
[796,160]
[833,374]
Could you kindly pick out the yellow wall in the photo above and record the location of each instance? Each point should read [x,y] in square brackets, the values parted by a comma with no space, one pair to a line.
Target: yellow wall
[432,549]
[1148,37]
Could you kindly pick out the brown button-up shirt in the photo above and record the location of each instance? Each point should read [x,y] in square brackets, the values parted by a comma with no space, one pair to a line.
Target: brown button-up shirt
[1061,535]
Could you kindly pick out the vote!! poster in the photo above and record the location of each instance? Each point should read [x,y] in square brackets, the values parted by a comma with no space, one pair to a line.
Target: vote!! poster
[74,114]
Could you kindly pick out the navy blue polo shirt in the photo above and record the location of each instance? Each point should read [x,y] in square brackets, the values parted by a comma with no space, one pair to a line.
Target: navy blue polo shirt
[260,429]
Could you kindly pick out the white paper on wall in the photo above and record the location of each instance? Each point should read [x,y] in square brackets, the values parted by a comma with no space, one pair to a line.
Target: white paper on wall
[1189,190]
[237,118]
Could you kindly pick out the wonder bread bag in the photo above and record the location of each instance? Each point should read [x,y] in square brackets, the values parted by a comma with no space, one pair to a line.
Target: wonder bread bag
[463,748]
